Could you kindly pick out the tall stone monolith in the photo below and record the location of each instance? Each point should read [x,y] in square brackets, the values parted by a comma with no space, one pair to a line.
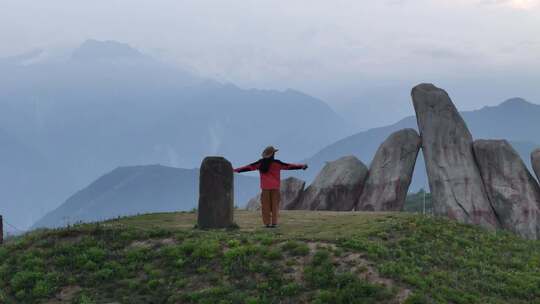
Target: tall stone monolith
[454,179]
[390,172]
[216,193]
[512,190]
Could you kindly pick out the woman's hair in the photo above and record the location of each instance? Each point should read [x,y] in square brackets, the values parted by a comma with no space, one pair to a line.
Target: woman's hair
[265,164]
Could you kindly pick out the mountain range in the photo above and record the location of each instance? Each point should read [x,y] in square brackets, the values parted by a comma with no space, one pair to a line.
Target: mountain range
[129,190]
[64,122]
[69,120]
[137,190]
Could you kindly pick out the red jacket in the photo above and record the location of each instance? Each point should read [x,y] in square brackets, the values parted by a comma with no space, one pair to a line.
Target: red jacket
[272,178]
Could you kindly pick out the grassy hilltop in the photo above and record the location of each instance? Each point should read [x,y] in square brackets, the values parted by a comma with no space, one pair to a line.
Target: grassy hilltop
[314,257]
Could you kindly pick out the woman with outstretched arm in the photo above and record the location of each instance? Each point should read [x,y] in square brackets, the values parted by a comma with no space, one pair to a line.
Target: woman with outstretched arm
[270,173]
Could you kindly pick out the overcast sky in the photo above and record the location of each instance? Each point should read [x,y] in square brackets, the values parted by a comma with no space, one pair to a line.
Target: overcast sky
[362,57]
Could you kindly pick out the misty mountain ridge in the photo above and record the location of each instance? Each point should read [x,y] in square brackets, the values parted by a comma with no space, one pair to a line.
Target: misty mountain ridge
[93,50]
[82,94]
[137,190]
[513,103]
[110,105]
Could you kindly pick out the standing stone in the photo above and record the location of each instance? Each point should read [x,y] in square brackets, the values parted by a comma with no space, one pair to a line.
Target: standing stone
[291,190]
[454,179]
[535,160]
[512,190]
[337,187]
[216,195]
[390,173]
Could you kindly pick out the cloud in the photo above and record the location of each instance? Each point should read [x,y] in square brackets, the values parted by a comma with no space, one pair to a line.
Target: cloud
[524,4]
[443,53]
[515,4]
[317,46]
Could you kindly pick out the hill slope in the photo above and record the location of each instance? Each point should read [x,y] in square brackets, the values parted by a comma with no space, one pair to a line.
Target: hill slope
[137,190]
[315,257]
[515,120]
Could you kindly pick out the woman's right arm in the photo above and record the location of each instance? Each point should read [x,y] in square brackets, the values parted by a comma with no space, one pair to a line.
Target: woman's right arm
[251,167]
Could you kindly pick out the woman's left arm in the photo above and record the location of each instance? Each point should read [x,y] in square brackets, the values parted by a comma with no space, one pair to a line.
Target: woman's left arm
[286,166]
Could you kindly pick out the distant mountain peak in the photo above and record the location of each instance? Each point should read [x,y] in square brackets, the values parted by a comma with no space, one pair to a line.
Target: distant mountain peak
[516,101]
[24,57]
[103,50]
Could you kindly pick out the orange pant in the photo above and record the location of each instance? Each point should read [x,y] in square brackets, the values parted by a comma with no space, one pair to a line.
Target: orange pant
[270,206]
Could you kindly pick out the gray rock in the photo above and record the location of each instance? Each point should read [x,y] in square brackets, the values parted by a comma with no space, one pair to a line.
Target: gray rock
[454,177]
[512,190]
[216,195]
[535,161]
[291,192]
[254,203]
[390,173]
[337,187]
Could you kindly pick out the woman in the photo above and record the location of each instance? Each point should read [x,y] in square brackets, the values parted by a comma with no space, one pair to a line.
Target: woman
[269,169]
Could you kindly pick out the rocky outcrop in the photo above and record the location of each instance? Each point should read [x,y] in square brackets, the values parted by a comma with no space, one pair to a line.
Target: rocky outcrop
[254,203]
[291,192]
[454,178]
[337,187]
[390,173]
[216,196]
[512,190]
[535,161]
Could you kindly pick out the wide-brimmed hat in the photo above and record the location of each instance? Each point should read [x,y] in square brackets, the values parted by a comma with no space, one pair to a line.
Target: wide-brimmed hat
[269,151]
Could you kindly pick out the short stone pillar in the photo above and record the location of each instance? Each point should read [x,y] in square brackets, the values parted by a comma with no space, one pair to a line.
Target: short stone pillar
[216,194]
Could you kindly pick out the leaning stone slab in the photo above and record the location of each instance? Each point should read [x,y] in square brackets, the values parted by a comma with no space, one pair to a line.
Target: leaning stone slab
[390,173]
[337,187]
[454,178]
[216,194]
[512,190]
[535,160]
[291,192]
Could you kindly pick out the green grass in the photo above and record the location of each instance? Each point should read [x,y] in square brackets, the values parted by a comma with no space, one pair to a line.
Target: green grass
[419,202]
[315,257]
